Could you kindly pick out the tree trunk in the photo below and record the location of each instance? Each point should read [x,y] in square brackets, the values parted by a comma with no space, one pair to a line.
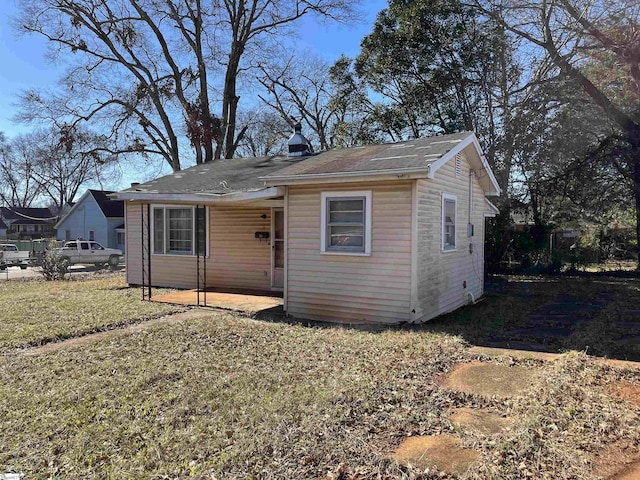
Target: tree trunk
[230,105]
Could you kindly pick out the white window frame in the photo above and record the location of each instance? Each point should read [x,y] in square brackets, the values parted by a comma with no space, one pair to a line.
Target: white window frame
[164,253]
[324,198]
[450,197]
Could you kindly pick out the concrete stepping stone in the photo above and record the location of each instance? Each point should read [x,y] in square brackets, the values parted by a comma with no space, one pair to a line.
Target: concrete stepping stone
[444,452]
[490,379]
[482,421]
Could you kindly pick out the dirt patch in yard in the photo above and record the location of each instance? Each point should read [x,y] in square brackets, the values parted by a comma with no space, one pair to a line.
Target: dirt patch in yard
[444,452]
[626,391]
[481,421]
[489,379]
[619,461]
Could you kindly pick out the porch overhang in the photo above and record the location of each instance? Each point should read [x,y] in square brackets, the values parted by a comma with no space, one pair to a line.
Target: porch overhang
[204,198]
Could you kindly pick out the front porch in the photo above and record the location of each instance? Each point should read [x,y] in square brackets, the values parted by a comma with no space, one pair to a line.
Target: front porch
[250,302]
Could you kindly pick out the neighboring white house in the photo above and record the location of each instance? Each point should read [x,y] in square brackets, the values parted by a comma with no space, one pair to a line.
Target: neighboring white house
[95,217]
[377,234]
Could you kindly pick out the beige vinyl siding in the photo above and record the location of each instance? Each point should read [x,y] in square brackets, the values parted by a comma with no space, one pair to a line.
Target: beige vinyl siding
[350,288]
[236,260]
[441,275]
[133,239]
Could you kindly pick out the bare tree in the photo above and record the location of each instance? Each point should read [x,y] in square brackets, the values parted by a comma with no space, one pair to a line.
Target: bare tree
[301,90]
[131,73]
[143,68]
[62,164]
[266,134]
[253,23]
[17,186]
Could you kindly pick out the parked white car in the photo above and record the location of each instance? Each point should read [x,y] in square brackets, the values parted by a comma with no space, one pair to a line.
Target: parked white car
[82,252]
[10,256]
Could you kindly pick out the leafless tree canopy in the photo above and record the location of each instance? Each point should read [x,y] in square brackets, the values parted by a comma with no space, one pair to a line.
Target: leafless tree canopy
[151,73]
[45,167]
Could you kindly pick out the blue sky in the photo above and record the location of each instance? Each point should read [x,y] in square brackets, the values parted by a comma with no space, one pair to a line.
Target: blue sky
[24,65]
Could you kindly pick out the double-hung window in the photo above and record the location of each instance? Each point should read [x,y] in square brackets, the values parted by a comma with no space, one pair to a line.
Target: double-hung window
[346,222]
[179,230]
[448,222]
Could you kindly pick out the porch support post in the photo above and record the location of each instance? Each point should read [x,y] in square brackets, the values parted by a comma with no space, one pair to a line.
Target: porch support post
[148,245]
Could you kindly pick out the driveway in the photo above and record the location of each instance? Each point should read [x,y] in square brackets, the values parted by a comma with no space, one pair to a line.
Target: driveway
[15,273]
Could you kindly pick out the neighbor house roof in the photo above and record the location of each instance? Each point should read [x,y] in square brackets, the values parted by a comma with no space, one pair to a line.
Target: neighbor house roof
[18,213]
[111,208]
[3,226]
[29,221]
[253,178]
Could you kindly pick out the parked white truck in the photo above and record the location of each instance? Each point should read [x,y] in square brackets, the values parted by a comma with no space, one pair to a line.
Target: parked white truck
[10,256]
[85,252]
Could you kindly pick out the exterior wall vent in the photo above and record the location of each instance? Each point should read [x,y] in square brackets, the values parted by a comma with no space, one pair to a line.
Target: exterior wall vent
[298,145]
[458,165]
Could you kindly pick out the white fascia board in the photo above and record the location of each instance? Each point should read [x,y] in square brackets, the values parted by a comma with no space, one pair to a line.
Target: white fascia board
[485,165]
[75,206]
[493,209]
[342,177]
[235,197]
[470,139]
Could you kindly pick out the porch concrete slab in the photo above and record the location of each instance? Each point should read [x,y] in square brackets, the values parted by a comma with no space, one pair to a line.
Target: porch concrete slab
[239,302]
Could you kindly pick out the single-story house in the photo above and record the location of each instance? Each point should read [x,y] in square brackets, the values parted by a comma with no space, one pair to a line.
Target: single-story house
[94,217]
[384,233]
[32,222]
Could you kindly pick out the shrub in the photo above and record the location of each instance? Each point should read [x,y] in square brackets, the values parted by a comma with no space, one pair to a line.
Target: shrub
[53,267]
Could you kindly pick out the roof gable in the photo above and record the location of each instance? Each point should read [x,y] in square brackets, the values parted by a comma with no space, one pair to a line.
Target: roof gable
[477,161]
[110,208]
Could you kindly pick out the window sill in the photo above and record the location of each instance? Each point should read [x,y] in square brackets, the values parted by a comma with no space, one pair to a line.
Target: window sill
[447,250]
[352,254]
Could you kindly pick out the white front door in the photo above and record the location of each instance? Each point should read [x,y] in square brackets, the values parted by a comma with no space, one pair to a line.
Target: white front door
[277,248]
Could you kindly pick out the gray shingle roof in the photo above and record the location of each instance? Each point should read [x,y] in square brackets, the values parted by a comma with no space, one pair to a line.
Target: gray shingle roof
[218,177]
[247,174]
[411,154]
